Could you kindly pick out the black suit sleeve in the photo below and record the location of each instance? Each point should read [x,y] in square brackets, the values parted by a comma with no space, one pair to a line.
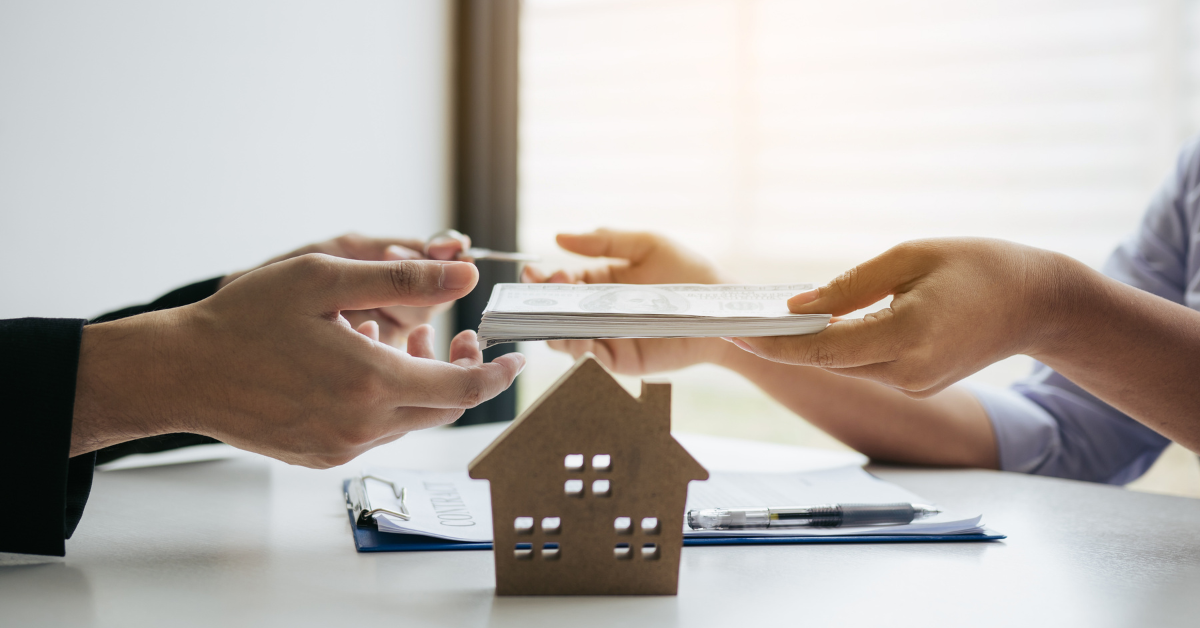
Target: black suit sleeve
[186,295]
[42,489]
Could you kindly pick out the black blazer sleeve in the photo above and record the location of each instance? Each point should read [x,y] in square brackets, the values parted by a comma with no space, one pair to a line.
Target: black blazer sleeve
[42,489]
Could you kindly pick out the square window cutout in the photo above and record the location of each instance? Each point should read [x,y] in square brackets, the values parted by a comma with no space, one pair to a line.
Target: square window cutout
[650,525]
[523,525]
[602,462]
[550,551]
[623,525]
[551,525]
[622,551]
[573,462]
[601,488]
[650,551]
[524,551]
[573,488]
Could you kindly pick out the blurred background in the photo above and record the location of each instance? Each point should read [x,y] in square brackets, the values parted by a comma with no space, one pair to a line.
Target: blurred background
[792,139]
[144,145]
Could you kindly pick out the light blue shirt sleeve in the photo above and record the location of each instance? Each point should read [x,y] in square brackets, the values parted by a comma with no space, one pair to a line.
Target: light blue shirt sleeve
[1047,425]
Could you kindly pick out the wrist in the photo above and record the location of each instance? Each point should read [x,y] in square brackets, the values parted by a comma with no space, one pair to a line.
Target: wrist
[1065,303]
[225,281]
[120,382]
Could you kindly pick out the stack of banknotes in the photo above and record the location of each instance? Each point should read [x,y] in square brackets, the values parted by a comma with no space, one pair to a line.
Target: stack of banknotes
[525,312]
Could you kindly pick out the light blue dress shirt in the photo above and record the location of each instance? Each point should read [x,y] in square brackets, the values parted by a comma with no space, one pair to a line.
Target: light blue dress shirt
[1049,426]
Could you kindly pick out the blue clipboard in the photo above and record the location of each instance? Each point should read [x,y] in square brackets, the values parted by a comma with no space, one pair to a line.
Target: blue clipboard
[372,540]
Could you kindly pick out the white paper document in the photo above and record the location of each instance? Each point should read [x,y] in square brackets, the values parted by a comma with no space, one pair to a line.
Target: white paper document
[443,504]
[844,485]
[450,505]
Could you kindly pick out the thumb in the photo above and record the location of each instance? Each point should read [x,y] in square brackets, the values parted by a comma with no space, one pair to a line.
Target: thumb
[629,245]
[341,284]
[858,287]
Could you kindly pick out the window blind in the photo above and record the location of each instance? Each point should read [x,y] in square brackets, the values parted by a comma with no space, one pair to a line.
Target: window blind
[791,139]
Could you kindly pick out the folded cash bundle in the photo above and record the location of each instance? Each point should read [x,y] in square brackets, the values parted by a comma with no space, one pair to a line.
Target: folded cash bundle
[519,312]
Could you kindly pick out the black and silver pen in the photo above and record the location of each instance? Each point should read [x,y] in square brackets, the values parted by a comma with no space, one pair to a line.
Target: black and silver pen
[825,515]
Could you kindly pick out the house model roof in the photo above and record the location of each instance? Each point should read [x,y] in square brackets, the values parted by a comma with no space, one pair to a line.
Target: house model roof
[588,406]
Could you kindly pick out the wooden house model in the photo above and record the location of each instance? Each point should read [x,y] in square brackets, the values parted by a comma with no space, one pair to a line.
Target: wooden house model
[588,490]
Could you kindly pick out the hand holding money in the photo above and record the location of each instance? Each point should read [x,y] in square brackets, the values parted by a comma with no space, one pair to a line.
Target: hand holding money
[958,305]
[637,258]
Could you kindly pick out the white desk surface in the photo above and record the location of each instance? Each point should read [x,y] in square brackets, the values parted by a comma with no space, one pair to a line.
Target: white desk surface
[253,542]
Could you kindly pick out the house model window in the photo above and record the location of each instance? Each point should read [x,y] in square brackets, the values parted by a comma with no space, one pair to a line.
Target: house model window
[588,490]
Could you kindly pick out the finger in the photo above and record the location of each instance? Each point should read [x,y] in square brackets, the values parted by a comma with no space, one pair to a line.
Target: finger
[338,284]
[602,274]
[436,384]
[562,276]
[857,342]
[862,285]
[533,274]
[390,329]
[396,252]
[360,247]
[370,329]
[408,318]
[630,245]
[580,346]
[420,342]
[558,345]
[413,419]
[464,349]
[574,347]
[603,351]
[445,250]
[447,245]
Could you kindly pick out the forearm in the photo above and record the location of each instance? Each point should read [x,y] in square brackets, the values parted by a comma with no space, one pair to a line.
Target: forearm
[949,429]
[1135,351]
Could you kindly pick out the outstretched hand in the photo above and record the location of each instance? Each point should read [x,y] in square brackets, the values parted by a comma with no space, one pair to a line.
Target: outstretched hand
[637,258]
[271,364]
[393,323]
[958,305]
[632,257]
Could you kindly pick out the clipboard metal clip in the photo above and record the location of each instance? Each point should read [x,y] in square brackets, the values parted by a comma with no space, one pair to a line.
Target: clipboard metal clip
[359,502]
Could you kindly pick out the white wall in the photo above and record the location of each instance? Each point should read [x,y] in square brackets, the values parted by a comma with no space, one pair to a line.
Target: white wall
[147,144]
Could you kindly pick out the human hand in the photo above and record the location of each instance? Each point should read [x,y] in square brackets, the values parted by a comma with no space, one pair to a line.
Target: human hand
[959,304]
[270,364]
[395,322]
[639,258]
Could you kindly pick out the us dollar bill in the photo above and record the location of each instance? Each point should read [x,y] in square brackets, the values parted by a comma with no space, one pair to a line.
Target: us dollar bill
[527,312]
[668,300]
